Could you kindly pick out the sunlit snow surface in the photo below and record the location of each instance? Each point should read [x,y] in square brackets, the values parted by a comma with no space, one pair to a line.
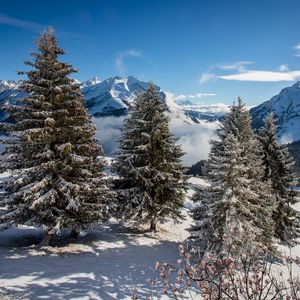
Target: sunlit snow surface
[104,263]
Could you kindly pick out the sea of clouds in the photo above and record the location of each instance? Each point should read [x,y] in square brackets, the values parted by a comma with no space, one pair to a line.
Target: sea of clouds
[194,138]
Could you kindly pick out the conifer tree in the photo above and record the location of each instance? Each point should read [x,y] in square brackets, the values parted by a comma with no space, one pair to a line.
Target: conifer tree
[53,156]
[279,171]
[237,201]
[151,188]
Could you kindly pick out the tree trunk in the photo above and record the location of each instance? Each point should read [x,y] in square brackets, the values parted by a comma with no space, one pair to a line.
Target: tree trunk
[153,226]
[47,238]
[74,233]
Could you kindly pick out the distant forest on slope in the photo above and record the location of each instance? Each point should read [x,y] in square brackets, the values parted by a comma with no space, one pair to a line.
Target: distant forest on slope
[294,149]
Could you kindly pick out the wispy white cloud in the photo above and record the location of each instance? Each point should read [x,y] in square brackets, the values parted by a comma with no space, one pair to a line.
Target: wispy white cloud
[297,48]
[283,68]
[193,96]
[207,76]
[210,74]
[120,59]
[239,66]
[7,20]
[262,76]
[238,71]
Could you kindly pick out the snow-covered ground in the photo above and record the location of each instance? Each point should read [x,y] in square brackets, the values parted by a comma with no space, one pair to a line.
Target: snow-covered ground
[105,263]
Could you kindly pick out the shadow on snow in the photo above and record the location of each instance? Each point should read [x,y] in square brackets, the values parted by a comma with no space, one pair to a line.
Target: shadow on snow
[118,260]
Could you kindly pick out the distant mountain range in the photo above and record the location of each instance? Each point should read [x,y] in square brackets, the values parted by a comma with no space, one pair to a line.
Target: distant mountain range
[286,108]
[113,96]
[110,97]
[9,93]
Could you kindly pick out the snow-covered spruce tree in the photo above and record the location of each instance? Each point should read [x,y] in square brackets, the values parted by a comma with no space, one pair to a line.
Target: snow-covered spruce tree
[279,171]
[57,179]
[151,188]
[238,199]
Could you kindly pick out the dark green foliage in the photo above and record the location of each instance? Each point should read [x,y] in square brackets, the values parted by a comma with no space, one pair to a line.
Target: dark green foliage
[237,200]
[197,169]
[151,188]
[294,149]
[278,166]
[57,180]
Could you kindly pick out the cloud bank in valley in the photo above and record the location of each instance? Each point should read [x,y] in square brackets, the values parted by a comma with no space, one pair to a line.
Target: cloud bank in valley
[108,132]
[193,137]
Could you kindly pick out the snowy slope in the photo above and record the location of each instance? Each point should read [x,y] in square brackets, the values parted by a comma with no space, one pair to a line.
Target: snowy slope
[286,107]
[105,263]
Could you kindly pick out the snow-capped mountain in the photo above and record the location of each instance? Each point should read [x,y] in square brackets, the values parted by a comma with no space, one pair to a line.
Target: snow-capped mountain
[286,108]
[9,93]
[110,97]
[8,85]
[108,101]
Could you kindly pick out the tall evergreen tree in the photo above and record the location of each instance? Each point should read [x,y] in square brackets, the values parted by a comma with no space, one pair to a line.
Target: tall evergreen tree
[57,180]
[238,201]
[279,171]
[151,188]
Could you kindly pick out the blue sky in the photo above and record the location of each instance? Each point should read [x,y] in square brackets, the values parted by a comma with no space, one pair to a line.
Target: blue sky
[221,49]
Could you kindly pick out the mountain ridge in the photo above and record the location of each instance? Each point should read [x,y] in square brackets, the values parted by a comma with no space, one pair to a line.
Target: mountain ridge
[286,109]
[113,96]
